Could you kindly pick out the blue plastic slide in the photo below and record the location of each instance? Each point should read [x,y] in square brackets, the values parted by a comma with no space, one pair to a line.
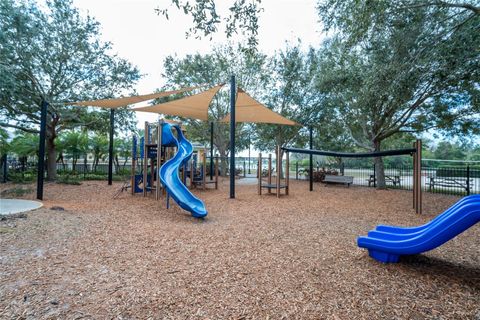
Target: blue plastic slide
[168,173]
[388,243]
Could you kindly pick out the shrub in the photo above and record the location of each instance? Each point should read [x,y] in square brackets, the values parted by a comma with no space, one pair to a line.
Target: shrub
[68,180]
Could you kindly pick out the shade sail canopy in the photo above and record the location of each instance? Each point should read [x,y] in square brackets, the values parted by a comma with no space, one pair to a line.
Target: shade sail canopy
[122,102]
[248,109]
[195,106]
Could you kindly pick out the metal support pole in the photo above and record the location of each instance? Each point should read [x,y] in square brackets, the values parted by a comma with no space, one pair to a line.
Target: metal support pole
[311,159]
[41,149]
[259,173]
[110,147]
[4,168]
[211,151]
[233,92]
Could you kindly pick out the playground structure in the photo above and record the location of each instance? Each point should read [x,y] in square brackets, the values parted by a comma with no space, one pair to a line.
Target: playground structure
[197,171]
[157,151]
[387,243]
[278,186]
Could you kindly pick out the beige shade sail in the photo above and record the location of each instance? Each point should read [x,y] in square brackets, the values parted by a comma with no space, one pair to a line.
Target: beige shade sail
[194,106]
[122,102]
[248,109]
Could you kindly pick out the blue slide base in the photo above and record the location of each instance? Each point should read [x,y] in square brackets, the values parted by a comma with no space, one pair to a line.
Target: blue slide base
[387,243]
[384,257]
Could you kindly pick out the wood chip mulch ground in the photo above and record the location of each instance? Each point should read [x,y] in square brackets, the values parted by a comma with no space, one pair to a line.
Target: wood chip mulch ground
[255,257]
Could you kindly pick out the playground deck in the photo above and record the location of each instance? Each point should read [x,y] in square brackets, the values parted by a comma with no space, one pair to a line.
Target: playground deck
[252,257]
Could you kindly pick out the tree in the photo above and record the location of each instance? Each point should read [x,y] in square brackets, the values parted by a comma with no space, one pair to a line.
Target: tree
[290,93]
[122,148]
[212,69]
[56,55]
[4,143]
[75,145]
[26,145]
[449,151]
[400,71]
[98,145]
[242,17]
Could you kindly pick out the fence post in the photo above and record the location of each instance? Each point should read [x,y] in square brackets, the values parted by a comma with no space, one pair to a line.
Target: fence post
[374,176]
[244,169]
[468,179]
[296,170]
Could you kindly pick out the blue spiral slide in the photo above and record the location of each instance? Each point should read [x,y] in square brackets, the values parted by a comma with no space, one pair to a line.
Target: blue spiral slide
[387,243]
[168,172]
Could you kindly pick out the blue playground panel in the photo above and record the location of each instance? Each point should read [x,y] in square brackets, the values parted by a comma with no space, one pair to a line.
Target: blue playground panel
[388,243]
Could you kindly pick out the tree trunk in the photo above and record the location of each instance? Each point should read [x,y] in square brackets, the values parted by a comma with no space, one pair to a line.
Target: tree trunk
[379,168]
[117,164]
[280,170]
[223,162]
[51,158]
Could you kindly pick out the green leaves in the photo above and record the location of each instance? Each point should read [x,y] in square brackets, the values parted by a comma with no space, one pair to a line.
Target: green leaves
[242,18]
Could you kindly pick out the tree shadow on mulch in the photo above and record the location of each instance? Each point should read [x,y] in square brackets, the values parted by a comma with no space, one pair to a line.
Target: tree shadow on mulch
[453,272]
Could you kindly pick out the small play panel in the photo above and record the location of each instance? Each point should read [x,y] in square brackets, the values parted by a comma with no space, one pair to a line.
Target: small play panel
[11,206]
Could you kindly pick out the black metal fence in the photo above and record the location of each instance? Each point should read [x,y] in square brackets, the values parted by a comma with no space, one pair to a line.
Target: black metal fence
[458,180]
[454,180]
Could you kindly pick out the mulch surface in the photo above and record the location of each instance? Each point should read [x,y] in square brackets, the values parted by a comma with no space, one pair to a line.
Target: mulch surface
[254,257]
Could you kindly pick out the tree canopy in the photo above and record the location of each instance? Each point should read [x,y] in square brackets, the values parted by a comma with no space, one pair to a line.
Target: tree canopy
[54,53]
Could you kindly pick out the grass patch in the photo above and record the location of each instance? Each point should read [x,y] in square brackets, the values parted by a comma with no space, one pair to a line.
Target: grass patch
[4,230]
[17,192]
[68,180]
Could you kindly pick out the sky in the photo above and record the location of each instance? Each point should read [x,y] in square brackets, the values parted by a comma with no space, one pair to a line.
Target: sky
[145,39]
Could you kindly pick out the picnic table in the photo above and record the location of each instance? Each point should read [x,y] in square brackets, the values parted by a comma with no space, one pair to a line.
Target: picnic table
[450,182]
[395,180]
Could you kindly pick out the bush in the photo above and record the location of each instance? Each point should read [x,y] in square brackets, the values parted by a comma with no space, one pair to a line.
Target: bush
[319,175]
[16,192]
[19,177]
[68,180]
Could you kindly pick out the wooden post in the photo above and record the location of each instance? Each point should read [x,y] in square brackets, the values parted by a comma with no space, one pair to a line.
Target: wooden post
[204,159]
[152,173]
[192,174]
[279,166]
[287,177]
[216,173]
[269,172]
[259,173]
[145,158]
[419,175]
[134,159]
[159,157]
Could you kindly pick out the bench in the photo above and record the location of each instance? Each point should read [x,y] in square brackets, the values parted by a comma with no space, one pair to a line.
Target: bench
[395,180]
[450,183]
[348,180]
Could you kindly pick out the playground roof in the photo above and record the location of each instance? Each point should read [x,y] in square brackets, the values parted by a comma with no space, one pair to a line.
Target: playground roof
[122,102]
[194,106]
[248,109]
